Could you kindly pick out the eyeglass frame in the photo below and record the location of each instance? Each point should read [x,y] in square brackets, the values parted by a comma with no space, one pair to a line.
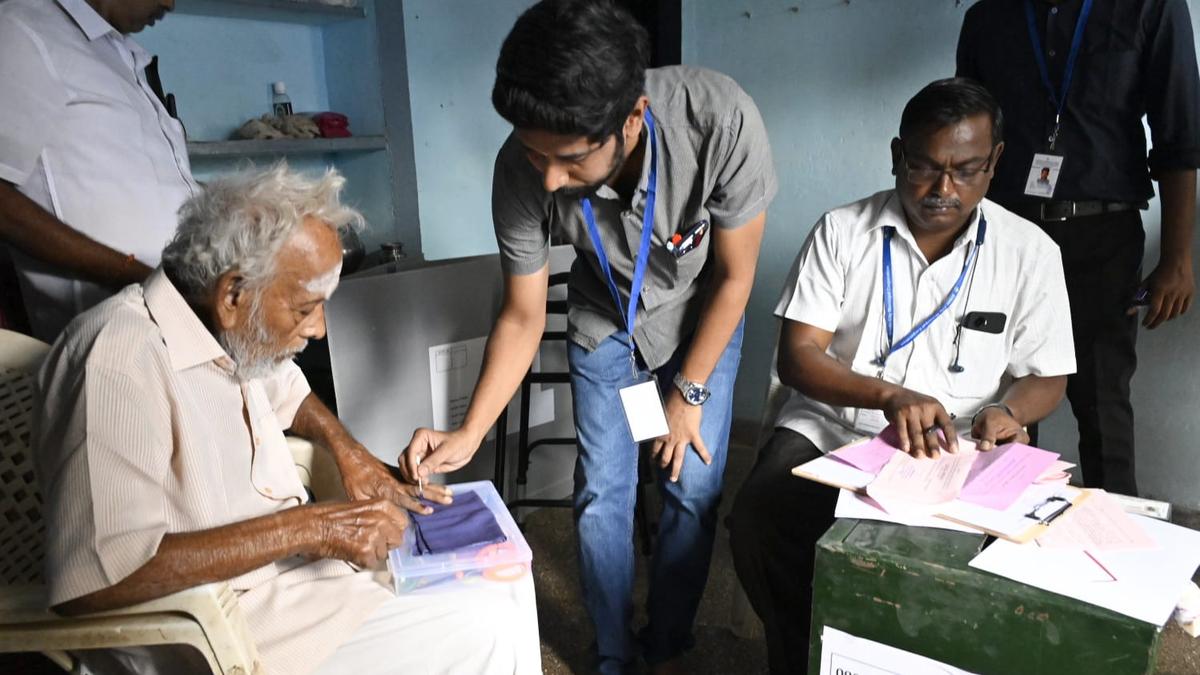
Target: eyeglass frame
[969,181]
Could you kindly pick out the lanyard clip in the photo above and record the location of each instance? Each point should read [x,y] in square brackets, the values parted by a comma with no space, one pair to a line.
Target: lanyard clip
[1054,133]
[633,360]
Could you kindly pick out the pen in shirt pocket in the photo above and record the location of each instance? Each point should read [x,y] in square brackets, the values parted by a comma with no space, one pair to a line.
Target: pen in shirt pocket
[683,242]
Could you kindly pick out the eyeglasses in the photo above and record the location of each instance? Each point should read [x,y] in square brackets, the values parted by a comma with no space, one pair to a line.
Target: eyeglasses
[962,176]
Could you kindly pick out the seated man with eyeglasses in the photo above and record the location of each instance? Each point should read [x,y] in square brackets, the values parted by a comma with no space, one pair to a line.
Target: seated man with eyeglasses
[926,307]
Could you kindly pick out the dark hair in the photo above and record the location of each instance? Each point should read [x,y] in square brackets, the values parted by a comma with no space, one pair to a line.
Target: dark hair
[572,67]
[949,101]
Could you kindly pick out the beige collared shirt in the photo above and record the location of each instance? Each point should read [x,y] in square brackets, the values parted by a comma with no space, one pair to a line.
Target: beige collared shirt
[146,431]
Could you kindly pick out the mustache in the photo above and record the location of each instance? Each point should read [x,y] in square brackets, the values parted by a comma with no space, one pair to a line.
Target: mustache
[936,203]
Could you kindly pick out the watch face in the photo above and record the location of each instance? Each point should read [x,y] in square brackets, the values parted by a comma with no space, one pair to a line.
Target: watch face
[696,395]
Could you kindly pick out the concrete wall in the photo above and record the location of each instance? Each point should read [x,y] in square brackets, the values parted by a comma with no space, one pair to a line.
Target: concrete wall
[452,51]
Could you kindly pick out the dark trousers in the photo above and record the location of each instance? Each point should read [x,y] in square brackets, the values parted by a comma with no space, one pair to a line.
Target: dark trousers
[1102,259]
[776,521]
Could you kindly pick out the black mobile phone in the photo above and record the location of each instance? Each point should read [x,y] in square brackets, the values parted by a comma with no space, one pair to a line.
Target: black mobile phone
[984,322]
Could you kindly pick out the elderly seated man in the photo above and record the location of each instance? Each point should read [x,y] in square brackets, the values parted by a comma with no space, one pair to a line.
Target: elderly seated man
[163,463]
[927,307]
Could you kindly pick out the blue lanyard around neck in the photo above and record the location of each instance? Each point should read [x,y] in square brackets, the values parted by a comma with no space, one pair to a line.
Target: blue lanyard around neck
[639,270]
[1058,98]
[889,300]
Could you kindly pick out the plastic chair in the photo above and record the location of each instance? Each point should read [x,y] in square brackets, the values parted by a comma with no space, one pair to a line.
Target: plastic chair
[206,617]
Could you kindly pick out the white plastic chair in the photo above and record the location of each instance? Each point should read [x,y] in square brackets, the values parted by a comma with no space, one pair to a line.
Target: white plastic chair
[206,617]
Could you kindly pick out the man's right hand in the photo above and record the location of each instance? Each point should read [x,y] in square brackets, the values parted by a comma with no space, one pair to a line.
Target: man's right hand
[917,418]
[432,452]
[359,532]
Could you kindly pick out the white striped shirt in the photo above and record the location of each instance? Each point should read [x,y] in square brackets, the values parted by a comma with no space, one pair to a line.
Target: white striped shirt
[145,430]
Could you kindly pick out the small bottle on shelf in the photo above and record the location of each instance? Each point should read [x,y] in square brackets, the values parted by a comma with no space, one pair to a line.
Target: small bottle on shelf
[280,103]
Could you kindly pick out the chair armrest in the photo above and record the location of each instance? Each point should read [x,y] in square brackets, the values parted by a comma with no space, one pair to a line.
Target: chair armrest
[207,617]
[317,469]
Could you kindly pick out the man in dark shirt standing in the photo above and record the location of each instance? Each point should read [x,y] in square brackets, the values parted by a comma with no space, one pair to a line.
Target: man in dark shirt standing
[1075,78]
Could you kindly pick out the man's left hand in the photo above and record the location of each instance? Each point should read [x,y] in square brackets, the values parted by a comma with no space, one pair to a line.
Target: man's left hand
[683,420]
[994,426]
[1172,288]
[365,477]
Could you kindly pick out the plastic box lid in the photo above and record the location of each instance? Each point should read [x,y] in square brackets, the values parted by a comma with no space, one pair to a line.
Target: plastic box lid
[406,564]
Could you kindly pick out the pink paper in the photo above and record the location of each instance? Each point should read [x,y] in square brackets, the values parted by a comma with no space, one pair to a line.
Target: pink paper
[999,477]
[872,455]
[1097,524]
[905,481]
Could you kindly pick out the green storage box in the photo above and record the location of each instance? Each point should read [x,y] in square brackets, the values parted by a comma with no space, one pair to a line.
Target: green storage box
[911,588]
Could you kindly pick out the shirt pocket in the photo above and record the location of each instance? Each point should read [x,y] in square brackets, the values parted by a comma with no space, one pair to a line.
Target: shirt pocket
[983,360]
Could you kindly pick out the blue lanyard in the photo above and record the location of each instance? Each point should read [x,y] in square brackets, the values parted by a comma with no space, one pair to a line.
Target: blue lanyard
[889,309]
[639,270]
[1059,99]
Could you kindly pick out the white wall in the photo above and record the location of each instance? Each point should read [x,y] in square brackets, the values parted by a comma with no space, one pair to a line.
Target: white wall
[452,51]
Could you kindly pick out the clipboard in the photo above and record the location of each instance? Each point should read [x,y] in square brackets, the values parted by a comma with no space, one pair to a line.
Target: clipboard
[1028,518]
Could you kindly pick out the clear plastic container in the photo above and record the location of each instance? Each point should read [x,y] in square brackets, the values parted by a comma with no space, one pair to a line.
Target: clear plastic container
[496,563]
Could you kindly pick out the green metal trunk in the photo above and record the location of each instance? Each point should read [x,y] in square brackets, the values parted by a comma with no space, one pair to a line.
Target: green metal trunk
[911,588]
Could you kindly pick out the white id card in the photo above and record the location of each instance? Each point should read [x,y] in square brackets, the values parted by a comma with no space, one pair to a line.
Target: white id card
[870,420]
[1043,175]
[644,410]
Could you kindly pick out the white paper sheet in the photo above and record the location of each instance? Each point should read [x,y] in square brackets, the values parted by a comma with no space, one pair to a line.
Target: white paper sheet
[830,471]
[453,371]
[845,654]
[850,505]
[1148,583]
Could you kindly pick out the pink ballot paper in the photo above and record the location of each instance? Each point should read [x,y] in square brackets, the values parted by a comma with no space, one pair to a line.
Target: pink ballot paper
[871,455]
[906,481]
[999,477]
[1097,524]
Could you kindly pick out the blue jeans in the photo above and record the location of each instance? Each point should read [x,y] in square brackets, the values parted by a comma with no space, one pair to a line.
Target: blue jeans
[606,476]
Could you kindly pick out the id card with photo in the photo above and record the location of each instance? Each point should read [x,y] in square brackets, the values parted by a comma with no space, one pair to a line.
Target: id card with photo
[1043,175]
[644,412]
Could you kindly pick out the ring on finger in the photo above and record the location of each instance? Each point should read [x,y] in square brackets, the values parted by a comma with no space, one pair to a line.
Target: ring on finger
[930,430]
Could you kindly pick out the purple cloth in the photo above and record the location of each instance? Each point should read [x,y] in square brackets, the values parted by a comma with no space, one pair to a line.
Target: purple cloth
[467,522]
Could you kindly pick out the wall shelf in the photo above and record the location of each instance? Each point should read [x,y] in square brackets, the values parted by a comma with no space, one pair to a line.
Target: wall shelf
[291,11]
[284,146]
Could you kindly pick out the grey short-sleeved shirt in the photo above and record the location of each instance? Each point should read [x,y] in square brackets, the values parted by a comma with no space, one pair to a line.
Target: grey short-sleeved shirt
[714,164]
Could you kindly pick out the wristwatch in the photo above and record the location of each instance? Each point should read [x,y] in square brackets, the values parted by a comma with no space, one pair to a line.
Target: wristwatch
[693,393]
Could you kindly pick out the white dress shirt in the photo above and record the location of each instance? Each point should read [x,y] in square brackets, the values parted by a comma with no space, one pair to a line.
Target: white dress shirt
[836,284]
[84,136]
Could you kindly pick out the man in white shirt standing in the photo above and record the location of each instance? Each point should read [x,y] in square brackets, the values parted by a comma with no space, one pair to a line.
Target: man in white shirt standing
[926,307]
[92,167]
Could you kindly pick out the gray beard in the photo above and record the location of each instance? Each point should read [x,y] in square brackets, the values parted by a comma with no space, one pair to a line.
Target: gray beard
[249,352]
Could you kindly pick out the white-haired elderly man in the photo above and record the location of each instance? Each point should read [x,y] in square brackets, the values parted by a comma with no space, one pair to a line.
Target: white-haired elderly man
[163,462]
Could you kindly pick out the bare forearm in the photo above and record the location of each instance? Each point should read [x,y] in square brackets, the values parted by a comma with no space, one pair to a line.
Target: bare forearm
[1178,192]
[736,258]
[189,559]
[1032,398]
[315,422]
[30,229]
[822,378]
[510,350]
[718,320]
